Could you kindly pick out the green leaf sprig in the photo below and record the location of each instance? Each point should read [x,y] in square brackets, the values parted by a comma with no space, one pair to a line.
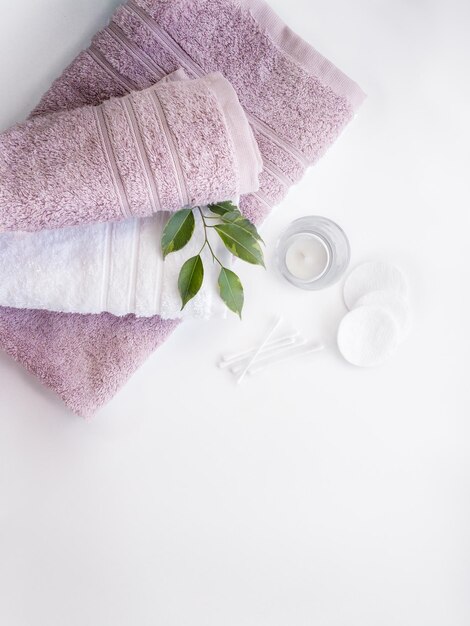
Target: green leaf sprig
[239,236]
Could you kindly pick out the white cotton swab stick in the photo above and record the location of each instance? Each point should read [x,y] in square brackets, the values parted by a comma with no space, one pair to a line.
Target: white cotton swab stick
[285,355]
[238,357]
[266,355]
[259,349]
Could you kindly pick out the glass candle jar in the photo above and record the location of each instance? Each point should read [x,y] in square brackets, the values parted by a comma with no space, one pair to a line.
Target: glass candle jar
[313,253]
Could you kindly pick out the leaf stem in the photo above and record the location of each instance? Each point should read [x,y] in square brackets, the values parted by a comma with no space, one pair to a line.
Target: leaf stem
[206,238]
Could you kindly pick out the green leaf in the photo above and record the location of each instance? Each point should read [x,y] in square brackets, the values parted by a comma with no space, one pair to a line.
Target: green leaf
[231,216]
[220,208]
[190,279]
[235,217]
[178,231]
[231,290]
[241,243]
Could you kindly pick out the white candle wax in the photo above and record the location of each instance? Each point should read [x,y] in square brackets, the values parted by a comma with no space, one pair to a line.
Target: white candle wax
[307,257]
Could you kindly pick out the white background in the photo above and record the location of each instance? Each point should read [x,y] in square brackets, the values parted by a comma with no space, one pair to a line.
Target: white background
[316,494]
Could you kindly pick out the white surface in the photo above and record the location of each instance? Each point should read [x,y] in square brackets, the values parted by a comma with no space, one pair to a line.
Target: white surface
[325,495]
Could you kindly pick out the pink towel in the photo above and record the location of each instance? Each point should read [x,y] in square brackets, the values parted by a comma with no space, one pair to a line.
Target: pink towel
[178,143]
[297,103]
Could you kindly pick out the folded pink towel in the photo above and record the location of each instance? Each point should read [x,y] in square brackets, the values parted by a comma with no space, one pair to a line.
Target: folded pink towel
[177,143]
[296,101]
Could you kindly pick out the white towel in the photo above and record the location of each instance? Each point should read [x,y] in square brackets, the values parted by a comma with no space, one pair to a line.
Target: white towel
[114,267]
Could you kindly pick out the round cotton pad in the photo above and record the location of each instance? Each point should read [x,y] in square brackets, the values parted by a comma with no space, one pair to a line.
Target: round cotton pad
[368,336]
[392,302]
[373,277]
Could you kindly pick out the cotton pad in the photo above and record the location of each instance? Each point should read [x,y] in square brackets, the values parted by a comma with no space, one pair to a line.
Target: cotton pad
[395,304]
[373,276]
[368,336]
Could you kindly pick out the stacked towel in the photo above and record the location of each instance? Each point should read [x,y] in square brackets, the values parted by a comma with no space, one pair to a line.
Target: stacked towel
[177,143]
[115,267]
[296,101]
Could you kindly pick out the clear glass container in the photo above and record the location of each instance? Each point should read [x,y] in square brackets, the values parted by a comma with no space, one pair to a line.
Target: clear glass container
[313,253]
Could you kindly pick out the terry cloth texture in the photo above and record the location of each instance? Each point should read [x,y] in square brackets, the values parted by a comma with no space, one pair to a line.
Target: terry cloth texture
[297,103]
[46,345]
[177,143]
[115,267]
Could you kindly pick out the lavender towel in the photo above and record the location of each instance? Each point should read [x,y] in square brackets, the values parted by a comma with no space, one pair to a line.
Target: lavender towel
[177,143]
[297,103]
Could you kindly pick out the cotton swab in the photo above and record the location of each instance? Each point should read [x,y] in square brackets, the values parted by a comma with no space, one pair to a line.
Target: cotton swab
[259,349]
[285,355]
[268,354]
[232,359]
